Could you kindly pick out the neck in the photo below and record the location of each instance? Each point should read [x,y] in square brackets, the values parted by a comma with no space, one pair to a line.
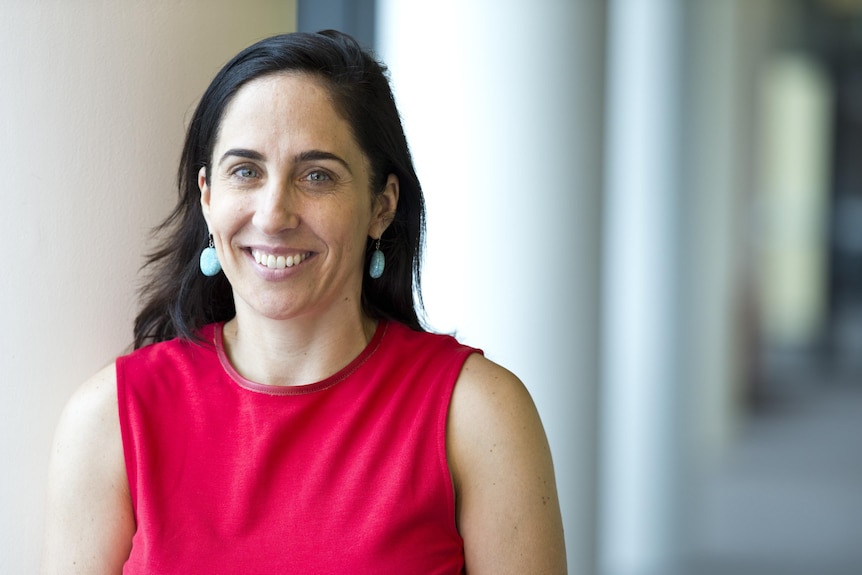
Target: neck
[295,351]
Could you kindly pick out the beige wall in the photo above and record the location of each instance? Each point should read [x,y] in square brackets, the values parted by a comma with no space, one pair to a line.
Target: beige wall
[93,100]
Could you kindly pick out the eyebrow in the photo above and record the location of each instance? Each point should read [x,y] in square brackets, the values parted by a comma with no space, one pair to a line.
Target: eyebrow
[241,153]
[307,156]
[314,155]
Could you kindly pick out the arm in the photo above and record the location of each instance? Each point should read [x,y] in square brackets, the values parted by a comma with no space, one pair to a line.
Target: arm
[506,495]
[89,523]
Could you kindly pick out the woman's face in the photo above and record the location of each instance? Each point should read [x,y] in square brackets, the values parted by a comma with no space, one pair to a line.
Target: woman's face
[289,202]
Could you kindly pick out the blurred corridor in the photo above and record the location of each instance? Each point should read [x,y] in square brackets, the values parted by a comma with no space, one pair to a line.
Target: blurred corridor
[785,494]
[787,497]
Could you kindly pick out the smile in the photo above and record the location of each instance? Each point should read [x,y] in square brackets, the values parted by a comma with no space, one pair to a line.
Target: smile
[274,262]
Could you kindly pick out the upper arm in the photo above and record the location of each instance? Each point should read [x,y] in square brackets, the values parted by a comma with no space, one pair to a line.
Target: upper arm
[89,520]
[506,496]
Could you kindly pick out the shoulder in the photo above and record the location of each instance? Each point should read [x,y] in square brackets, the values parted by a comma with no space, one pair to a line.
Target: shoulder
[89,518]
[164,359]
[489,403]
[429,352]
[488,409]
[207,338]
[403,335]
[483,380]
[87,439]
[92,408]
[507,509]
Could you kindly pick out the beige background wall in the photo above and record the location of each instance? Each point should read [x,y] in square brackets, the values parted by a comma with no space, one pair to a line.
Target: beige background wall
[93,101]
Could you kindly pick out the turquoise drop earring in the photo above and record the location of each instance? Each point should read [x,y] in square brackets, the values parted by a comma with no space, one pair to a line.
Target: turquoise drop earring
[210,265]
[378,262]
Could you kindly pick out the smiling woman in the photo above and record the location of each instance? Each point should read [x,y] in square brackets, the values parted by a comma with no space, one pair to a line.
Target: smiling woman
[289,414]
[292,185]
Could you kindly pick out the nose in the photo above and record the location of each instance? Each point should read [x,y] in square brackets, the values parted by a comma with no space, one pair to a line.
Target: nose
[277,208]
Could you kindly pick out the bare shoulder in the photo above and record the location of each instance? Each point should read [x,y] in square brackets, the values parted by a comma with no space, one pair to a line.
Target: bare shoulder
[484,384]
[507,507]
[90,419]
[89,520]
[94,403]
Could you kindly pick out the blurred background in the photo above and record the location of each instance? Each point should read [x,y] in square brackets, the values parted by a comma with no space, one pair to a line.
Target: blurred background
[649,210]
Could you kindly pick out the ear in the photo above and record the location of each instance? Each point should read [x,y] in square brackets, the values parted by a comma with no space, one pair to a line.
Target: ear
[385,204]
[205,193]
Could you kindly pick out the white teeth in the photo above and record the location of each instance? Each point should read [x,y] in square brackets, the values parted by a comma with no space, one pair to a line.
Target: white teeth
[278,262]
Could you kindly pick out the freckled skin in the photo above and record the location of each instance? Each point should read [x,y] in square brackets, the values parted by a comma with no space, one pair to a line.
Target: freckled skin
[498,453]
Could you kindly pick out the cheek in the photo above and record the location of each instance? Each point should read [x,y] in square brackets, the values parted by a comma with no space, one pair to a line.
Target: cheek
[225,211]
[344,232]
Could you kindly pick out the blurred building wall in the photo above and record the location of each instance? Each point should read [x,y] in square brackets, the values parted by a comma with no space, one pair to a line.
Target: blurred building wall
[93,104]
[793,198]
[640,467]
[726,44]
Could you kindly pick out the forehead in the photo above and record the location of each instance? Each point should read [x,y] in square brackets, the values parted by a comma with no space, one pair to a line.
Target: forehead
[286,110]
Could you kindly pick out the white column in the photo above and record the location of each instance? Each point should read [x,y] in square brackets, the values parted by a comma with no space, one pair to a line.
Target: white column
[502,106]
[640,411]
[93,106]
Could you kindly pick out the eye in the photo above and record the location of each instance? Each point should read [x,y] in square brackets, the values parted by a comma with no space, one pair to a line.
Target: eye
[246,172]
[318,176]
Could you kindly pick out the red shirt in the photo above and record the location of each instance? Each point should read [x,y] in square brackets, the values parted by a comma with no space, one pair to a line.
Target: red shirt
[344,476]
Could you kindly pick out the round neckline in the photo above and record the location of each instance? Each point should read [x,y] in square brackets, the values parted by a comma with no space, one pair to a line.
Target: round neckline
[289,390]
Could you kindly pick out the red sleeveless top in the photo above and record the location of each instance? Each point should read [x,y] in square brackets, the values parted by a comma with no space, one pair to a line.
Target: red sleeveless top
[344,476]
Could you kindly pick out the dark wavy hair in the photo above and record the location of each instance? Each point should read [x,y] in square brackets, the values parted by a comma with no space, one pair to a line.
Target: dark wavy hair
[177,299]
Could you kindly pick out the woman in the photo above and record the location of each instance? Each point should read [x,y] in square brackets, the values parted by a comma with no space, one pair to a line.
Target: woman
[284,411]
